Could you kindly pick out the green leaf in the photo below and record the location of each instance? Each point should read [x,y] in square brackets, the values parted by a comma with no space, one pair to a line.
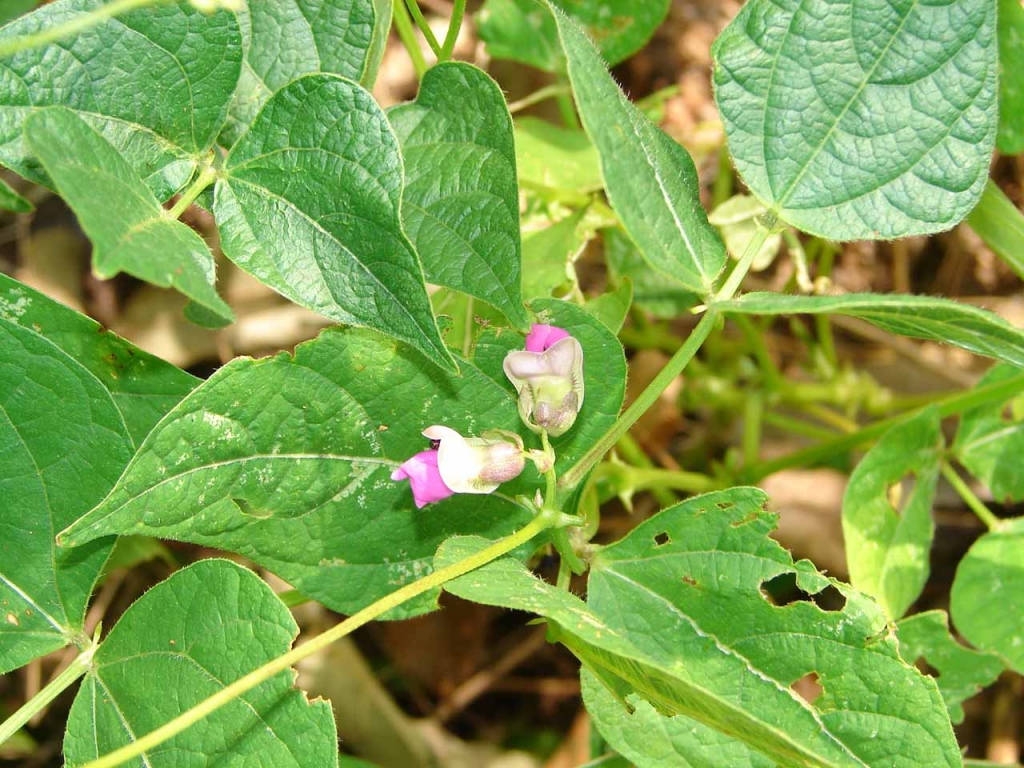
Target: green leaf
[676,615]
[155,82]
[183,641]
[1001,225]
[920,317]
[990,442]
[460,205]
[14,8]
[287,39]
[63,443]
[1010,138]
[652,291]
[551,157]
[142,386]
[988,579]
[12,201]
[961,672]
[855,121]
[522,31]
[288,461]
[550,253]
[737,219]
[309,204]
[136,235]
[887,512]
[648,738]
[650,179]
[612,307]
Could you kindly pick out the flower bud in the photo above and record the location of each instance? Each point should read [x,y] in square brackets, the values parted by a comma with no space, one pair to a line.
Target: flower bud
[548,376]
[477,464]
[423,475]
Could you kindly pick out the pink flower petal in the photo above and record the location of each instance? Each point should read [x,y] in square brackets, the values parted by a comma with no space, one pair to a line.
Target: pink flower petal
[541,337]
[424,477]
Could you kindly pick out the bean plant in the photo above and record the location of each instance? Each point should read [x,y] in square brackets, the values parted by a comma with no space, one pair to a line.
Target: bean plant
[410,449]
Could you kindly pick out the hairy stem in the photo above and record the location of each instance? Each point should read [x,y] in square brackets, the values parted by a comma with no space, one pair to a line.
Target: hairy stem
[205,178]
[76,24]
[41,700]
[403,25]
[421,22]
[547,92]
[976,505]
[454,25]
[281,663]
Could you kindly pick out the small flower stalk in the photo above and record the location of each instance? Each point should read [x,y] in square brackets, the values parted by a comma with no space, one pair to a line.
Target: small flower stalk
[548,375]
[458,464]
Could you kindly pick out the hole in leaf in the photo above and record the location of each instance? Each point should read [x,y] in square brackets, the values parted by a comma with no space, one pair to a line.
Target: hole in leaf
[782,590]
[926,669]
[899,494]
[725,504]
[661,539]
[808,688]
[688,579]
[745,521]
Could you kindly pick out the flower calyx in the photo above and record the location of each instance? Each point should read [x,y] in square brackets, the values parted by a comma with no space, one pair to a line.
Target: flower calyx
[548,377]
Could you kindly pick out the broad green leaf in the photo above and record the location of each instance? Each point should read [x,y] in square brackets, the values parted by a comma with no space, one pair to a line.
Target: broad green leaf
[920,317]
[63,443]
[309,204]
[988,581]
[155,82]
[287,39]
[143,387]
[861,121]
[288,460]
[612,306]
[961,672]
[460,205]
[887,512]
[652,291]
[676,615]
[11,200]
[737,219]
[522,31]
[1010,139]
[1001,225]
[551,157]
[549,255]
[183,641]
[637,730]
[459,315]
[650,179]
[14,8]
[990,442]
[134,235]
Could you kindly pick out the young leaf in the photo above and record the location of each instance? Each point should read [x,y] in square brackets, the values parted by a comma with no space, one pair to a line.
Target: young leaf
[887,512]
[460,205]
[549,255]
[991,571]
[136,235]
[676,615]
[612,307]
[520,30]
[1000,224]
[183,641]
[650,179]
[554,158]
[859,121]
[962,672]
[1010,139]
[309,204]
[63,443]
[920,317]
[649,738]
[143,387]
[287,39]
[155,82]
[990,444]
[11,200]
[652,291]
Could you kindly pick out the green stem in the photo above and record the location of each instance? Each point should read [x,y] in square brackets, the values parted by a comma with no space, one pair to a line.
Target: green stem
[454,25]
[41,700]
[544,520]
[205,178]
[630,450]
[421,22]
[568,109]
[753,414]
[947,406]
[976,505]
[547,92]
[652,478]
[766,224]
[644,400]
[403,25]
[796,426]
[755,340]
[293,598]
[76,24]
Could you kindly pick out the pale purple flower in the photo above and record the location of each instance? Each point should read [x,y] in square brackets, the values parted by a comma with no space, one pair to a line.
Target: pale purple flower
[477,464]
[541,337]
[423,475]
